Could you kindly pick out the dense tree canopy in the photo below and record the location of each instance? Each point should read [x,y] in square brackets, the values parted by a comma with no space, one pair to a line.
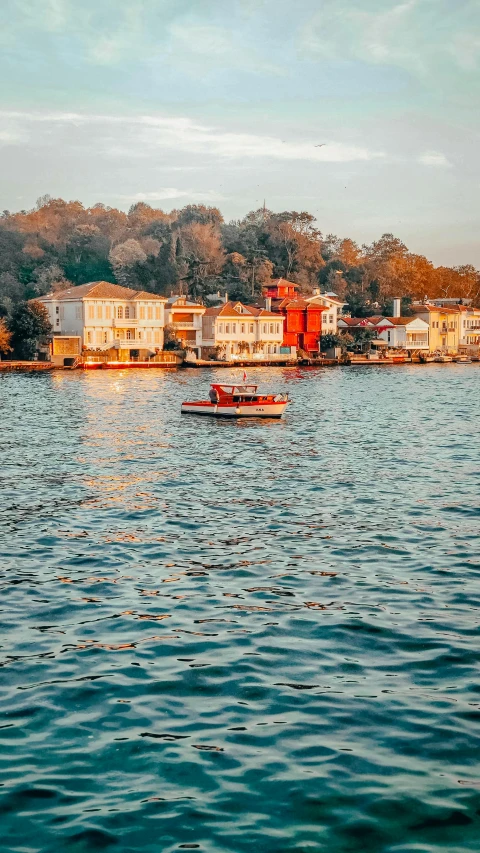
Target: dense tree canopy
[193,250]
[28,326]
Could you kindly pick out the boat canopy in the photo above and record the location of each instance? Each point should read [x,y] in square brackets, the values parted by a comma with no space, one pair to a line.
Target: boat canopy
[234,389]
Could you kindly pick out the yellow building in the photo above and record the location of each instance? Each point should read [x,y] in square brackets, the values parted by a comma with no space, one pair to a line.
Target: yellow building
[444,326]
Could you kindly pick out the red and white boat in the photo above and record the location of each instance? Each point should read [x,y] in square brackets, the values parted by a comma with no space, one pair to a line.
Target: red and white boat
[238,401]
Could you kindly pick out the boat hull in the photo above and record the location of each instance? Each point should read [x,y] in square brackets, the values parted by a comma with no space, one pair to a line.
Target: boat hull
[241,410]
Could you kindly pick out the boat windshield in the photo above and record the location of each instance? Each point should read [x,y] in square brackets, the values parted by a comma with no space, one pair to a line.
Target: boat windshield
[236,389]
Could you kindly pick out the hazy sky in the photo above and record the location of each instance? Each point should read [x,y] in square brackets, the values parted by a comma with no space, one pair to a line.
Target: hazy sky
[223,101]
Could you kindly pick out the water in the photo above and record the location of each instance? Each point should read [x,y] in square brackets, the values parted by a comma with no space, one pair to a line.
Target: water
[240,636]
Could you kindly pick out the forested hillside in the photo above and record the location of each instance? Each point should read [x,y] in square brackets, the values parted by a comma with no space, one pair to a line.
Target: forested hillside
[193,250]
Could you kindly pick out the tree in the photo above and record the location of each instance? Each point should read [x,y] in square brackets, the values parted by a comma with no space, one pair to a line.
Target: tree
[50,279]
[124,258]
[5,338]
[28,325]
[330,341]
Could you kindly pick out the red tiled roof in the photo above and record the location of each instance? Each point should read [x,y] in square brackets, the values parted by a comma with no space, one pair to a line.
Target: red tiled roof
[229,310]
[400,321]
[102,290]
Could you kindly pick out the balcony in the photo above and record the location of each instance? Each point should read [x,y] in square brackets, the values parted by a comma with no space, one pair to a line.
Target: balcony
[419,343]
[133,343]
[185,326]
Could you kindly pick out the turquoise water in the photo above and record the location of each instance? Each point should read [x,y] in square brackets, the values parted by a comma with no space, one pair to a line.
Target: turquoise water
[240,636]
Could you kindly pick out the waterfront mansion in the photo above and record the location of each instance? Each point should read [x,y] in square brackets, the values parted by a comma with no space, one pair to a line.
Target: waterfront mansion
[106,315]
[236,330]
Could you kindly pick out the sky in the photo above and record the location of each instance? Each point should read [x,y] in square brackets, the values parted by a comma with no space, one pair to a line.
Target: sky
[180,101]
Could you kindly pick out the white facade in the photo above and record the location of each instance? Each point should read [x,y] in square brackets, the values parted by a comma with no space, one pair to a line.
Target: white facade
[241,331]
[331,316]
[185,318]
[404,332]
[469,331]
[106,315]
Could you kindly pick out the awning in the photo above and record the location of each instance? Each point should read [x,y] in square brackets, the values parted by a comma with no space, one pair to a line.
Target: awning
[377,342]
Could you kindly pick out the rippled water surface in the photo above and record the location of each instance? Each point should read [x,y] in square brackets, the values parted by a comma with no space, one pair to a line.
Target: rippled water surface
[240,636]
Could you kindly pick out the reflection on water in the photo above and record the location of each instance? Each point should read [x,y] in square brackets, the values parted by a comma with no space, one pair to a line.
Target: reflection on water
[237,636]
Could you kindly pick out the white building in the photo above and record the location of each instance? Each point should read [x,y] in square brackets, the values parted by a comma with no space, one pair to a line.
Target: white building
[107,315]
[185,319]
[410,333]
[242,331]
[334,307]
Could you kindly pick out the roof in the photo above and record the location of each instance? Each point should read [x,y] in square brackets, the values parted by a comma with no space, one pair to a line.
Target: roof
[186,304]
[401,321]
[330,297]
[299,304]
[101,290]
[356,321]
[229,309]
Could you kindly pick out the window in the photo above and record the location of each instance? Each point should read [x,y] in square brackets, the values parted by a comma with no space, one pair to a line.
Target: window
[127,312]
[129,335]
[120,312]
[242,328]
[89,337]
[251,328]
[91,312]
[142,312]
[57,322]
[99,312]
[331,318]
[220,328]
[271,328]
[139,336]
[149,313]
[158,315]
[388,336]
[107,312]
[157,337]
[57,310]
[264,328]
[234,328]
[105,337]
[78,312]
[275,349]
[277,328]
[227,328]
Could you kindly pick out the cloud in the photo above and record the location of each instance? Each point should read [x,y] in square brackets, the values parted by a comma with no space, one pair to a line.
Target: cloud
[144,135]
[420,36]
[204,45]
[434,158]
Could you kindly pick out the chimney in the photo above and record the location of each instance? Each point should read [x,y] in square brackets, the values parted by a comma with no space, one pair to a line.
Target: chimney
[397,307]
[225,298]
[316,291]
[268,303]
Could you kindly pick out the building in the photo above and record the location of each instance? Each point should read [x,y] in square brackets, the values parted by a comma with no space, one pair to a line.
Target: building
[304,322]
[185,319]
[234,331]
[444,323]
[410,333]
[107,316]
[281,288]
[334,307]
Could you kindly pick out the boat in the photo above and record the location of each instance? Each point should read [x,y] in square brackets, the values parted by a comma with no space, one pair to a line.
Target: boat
[463,359]
[426,358]
[443,359]
[237,401]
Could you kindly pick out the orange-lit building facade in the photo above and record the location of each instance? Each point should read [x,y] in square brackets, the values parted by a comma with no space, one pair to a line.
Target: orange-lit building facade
[303,319]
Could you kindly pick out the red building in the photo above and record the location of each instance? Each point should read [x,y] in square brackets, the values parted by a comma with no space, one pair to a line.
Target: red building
[303,320]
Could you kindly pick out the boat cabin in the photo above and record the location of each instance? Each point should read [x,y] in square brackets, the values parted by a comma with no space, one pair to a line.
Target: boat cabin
[236,393]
